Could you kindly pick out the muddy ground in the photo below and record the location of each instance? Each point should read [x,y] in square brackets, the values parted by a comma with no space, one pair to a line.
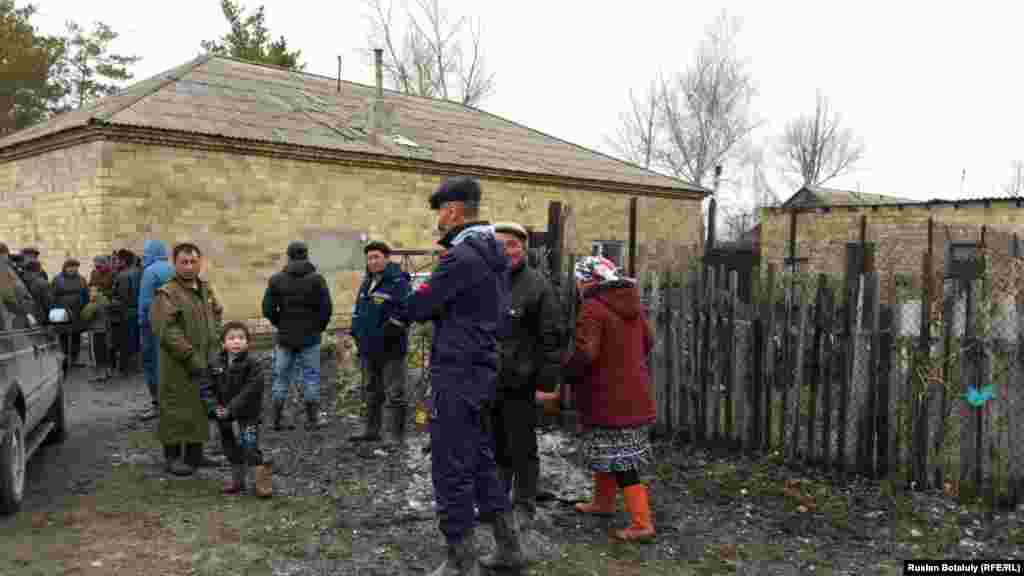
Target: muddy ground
[100,504]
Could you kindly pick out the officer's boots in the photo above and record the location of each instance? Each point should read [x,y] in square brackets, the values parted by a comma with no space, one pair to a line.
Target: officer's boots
[461,560]
[396,424]
[508,551]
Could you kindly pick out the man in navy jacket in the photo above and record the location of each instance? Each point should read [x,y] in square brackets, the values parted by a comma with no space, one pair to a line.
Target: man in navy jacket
[465,298]
[382,349]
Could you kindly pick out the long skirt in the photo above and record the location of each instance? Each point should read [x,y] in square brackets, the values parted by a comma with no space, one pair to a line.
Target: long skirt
[617,449]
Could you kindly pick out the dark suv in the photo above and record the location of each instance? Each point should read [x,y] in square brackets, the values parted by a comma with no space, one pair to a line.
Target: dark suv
[32,409]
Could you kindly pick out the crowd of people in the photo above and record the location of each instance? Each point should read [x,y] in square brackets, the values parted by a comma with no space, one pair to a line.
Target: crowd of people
[499,351]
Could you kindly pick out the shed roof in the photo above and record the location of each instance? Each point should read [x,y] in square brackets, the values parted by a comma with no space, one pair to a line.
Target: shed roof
[224,97]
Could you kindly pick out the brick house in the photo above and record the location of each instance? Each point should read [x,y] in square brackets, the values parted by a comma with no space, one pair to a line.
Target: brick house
[826,220]
[242,158]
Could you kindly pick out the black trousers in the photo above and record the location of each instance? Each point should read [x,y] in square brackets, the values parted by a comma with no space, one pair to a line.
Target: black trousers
[72,339]
[244,450]
[515,432]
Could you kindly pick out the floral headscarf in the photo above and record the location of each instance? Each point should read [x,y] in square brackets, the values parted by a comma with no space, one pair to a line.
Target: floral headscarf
[597,269]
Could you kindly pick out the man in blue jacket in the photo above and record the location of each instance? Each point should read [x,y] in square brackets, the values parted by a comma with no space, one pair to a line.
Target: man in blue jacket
[156,271]
[382,350]
[465,298]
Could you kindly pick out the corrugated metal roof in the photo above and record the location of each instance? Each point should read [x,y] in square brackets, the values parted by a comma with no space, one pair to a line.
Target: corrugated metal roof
[220,96]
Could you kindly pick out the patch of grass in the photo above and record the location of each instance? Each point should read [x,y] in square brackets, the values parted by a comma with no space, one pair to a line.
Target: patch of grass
[135,524]
[612,559]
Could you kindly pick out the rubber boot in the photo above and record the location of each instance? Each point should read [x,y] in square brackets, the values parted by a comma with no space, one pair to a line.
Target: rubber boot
[396,424]
[508,551]
[461,560]
[236,484]
[526,495]
[605,489]
[312,415]
[174,461]
[374,413]
[279,423]
[264,480]
[641,525]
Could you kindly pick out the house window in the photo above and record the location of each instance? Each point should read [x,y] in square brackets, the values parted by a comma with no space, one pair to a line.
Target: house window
[611,249]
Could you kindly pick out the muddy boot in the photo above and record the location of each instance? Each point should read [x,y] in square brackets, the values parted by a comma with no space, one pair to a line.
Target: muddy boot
[264,480]
[278,416]
[396,425]
[313,416]
[641,525]
[174,462]
[461,560]
[374,413]
[236,484]
[508,552]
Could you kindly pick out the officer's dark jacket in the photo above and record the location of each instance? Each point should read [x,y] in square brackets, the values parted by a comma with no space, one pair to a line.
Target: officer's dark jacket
[298,303]
[530,339]
[374,308]
[465,297]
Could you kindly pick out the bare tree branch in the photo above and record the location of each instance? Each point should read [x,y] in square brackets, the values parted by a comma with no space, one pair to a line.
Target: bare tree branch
[705,111]
[431,60]
[635,140]
[816,148]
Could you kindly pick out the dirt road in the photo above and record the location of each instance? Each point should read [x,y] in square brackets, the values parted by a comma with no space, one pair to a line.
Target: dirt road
[100,413]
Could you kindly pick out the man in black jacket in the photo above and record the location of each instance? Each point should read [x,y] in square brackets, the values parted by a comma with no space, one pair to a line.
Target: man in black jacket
[530,363]
[298,303]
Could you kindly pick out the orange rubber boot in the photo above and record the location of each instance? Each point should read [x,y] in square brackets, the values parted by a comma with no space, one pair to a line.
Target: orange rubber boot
[605,490]
[641,526]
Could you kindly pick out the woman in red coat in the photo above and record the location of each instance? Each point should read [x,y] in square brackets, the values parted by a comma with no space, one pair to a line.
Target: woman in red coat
[608,362]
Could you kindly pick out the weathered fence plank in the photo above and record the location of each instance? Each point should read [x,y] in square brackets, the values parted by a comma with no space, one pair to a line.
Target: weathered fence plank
[1015,409]
[870,416]
[970,364]
[769,361]
[730,363]
[824,357]
[709,383]
[795,389]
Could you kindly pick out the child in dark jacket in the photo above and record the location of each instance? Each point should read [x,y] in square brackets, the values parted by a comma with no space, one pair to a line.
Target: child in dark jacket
[234,395]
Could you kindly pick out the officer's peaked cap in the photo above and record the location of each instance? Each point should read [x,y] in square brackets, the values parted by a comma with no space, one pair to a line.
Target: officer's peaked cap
[456,189]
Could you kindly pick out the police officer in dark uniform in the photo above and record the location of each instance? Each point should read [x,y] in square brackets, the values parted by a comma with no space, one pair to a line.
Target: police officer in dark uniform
[465,297]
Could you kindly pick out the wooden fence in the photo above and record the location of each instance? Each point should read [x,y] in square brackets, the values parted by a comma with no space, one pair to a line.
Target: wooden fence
[829,376]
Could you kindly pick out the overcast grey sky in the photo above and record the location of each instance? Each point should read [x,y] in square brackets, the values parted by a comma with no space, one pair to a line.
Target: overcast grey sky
[932,88]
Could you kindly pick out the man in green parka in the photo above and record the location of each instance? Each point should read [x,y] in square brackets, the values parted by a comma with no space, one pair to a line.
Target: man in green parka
[186,318]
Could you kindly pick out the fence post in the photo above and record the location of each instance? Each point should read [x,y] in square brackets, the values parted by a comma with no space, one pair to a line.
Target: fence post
[847,347]
[870,414]
[669,350]
[827,357]
[708,380]
[695,397]
[969,365]
[682,367]
[795,389]
[815,367]
[949,298]
[887,367]
[730,363]
[768,384]
[1015,409]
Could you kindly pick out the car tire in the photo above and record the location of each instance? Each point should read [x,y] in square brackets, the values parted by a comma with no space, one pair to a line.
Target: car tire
[12,462]
[58,414]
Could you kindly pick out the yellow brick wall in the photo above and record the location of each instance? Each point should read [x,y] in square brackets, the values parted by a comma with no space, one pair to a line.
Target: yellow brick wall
[243,210]
[900,235]
[53,201]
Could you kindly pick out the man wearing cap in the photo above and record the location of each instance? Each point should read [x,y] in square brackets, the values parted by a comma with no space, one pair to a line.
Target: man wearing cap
[530,363]
[465,298]
[382,350]
[298,303]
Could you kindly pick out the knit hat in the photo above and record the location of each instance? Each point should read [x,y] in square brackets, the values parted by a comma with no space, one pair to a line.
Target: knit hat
[298,251]
[456,189]
[596,269]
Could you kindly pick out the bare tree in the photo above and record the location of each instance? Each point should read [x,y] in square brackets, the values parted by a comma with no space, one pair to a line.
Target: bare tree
[429,56]
[816,148]
[1015,187]
[705,110]
[636,138]
[741,214]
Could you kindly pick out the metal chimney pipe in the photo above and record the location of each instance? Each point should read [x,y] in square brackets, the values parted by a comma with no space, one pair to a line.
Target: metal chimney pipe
[378,57]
